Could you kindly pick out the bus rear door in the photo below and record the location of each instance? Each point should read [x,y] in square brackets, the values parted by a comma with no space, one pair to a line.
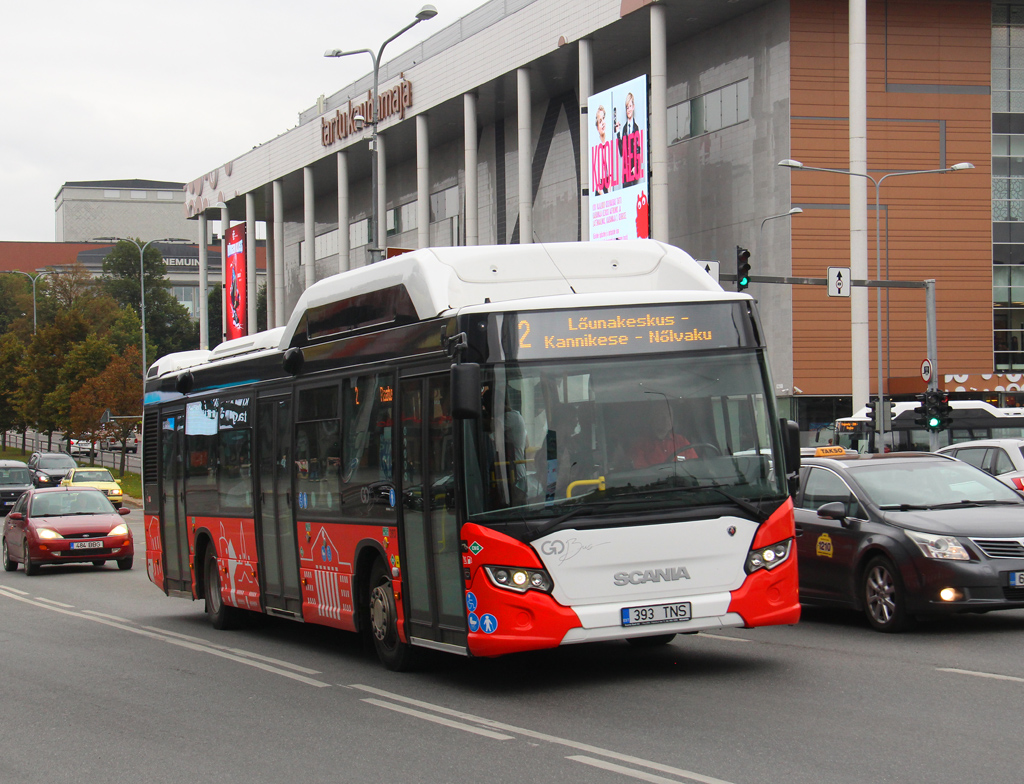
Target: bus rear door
[173,522]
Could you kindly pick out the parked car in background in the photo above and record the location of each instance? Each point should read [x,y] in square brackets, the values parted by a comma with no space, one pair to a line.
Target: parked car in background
[47,469]
[1001,457]
[14,480]
[114,444]
[79,447]
[65,525]
[903,534]
[99,478]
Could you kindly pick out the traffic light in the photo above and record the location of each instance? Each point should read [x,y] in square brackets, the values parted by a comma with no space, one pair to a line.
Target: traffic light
[742,268]
[933,411]
[873,414]
[944,412]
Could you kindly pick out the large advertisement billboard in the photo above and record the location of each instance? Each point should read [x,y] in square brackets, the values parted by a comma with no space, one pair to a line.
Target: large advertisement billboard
[619,162]
[235,284]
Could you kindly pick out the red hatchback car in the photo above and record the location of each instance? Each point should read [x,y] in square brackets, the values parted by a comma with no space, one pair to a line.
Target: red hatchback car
[52,525]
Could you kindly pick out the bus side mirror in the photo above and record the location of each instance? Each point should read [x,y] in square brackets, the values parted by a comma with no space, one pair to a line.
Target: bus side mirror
[791,445]
[465,379]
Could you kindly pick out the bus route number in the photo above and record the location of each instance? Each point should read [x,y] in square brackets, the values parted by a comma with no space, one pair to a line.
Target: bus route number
[524,331]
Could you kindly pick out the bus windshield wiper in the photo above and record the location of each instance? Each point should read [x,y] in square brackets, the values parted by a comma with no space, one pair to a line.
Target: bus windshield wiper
[742,503]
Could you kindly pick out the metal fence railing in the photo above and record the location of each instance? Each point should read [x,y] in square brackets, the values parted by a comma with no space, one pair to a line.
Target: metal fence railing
[38,442]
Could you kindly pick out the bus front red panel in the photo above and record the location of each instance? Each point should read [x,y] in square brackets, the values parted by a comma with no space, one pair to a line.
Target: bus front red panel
[235,541]
[771,597]
[507,621]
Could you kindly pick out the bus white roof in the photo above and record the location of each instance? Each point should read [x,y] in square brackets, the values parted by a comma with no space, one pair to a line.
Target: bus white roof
[977,405]
[450,279]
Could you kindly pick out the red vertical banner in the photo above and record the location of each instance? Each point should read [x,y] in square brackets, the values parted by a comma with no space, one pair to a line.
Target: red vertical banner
[235,289]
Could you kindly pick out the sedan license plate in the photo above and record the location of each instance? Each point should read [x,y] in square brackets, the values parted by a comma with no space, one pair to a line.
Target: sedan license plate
[655,613]
[96,544]
[1017,579]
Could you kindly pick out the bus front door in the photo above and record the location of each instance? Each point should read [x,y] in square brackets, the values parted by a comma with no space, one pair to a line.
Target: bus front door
[275,532]
[173,523]
[432,562]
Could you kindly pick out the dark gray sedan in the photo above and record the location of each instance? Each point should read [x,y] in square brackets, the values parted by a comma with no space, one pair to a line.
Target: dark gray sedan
[904,534]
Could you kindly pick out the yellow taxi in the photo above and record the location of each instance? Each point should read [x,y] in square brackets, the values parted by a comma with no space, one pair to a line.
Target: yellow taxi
[99,478]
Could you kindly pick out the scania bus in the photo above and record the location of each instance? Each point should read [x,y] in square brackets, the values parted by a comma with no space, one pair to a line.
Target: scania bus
[438,451]
[972,420]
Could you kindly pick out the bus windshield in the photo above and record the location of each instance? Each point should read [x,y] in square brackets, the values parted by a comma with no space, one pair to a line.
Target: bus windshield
[640,434]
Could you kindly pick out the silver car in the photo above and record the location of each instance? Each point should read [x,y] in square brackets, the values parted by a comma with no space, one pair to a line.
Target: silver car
[1001,457]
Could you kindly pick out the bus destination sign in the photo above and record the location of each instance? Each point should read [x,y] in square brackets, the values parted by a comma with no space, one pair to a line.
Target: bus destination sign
[630,330]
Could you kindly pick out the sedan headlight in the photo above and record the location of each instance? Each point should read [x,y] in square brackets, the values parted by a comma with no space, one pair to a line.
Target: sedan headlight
[43,478]
[946,548]
[47,533]
[119,530]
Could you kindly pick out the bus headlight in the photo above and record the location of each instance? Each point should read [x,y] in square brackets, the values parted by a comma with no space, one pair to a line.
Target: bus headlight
[518,579]
[768,557]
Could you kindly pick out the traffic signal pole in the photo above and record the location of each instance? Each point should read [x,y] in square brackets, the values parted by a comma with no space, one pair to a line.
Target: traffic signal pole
[931,335]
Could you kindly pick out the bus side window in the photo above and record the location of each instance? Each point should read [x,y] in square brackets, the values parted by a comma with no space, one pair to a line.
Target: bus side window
[367,461]
[317,450]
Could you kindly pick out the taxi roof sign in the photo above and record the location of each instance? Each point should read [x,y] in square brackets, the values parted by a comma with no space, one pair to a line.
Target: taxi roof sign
[829,451]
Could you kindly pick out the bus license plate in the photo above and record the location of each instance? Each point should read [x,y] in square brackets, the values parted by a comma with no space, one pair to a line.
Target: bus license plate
[1017,579]
[94,545]
[655,613]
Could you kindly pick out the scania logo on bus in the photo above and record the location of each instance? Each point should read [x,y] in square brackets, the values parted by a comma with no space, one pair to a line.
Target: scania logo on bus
[652,576]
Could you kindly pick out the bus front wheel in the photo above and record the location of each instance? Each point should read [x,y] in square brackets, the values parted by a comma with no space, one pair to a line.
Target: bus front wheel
[383,612]
[221,615]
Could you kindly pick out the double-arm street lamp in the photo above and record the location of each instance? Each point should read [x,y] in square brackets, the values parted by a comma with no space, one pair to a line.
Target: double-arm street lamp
[427,12]
[791,164]
[33,279]
[142,285]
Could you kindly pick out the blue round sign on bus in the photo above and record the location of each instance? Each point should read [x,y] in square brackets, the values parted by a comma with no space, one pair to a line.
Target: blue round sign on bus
[474,622]
[488,623]
[470,601]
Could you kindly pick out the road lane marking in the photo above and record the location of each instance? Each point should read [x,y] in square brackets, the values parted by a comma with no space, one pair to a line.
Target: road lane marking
[992,675]
[239,651]
[54,603]
[722,637]
[164,637]
[15,590]
[612,767]
[497,725]
[438,719]
[108,617]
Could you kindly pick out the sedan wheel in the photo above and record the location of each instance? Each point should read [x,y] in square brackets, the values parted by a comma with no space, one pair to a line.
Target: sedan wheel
[9,565]
[884,597]
[31,568]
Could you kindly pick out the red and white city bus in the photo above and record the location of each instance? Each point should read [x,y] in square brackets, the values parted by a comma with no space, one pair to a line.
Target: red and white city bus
[482,450]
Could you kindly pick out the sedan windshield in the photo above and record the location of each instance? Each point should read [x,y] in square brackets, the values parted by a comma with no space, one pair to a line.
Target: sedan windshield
[51,463]
[66,503]
[633,434]
[99,475]
[930,484]
[14,476]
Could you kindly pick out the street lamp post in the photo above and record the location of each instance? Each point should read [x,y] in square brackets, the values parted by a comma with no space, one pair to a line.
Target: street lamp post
[427,12]
[142,287]
[33,279]
[792,211]
[791,164]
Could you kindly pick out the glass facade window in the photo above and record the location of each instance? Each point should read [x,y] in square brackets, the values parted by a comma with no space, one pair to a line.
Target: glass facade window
[722,108]
[359,233]
[189,297]
[444,204]
[1008,186]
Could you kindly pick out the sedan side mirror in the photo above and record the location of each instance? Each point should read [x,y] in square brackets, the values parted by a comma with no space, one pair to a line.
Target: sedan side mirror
[124,510]
[15,516]
[834,510]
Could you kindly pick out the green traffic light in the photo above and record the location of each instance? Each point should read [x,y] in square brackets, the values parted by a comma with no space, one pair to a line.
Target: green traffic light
[933,421]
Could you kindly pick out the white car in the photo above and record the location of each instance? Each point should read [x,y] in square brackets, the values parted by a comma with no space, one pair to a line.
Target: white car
[78,446]
[1001,457]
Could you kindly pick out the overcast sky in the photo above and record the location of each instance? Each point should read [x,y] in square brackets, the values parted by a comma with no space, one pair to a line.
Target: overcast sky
[111,89]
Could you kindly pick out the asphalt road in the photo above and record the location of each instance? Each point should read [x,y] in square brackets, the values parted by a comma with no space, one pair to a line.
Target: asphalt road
[107,680]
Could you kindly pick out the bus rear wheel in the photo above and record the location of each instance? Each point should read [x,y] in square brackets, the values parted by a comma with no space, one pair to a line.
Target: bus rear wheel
[221,615]
[383,614]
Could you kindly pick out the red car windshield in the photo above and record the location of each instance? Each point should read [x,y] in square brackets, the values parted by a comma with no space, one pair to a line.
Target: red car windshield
[70,503]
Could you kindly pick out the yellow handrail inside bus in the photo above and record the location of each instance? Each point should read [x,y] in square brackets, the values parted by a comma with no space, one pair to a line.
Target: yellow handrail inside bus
[586,483]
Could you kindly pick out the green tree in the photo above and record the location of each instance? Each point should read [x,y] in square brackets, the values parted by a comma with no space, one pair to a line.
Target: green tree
[12,352]
[117,389]
[215,313]
[261,308]
[85,359]
[168,324]
[16,304]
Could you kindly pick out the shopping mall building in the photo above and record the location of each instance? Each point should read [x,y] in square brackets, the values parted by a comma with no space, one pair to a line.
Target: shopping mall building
[483,138]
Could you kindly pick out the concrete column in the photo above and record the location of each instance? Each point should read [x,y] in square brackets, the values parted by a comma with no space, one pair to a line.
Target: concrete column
[525,158]
[422,182]
[250,263]
[586,89]
[268,218]
[204,274]
[472,182]
[225,224]
[860,367]
[382,200]
[344,262]
[279,280]
[658,133]
[309,224]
